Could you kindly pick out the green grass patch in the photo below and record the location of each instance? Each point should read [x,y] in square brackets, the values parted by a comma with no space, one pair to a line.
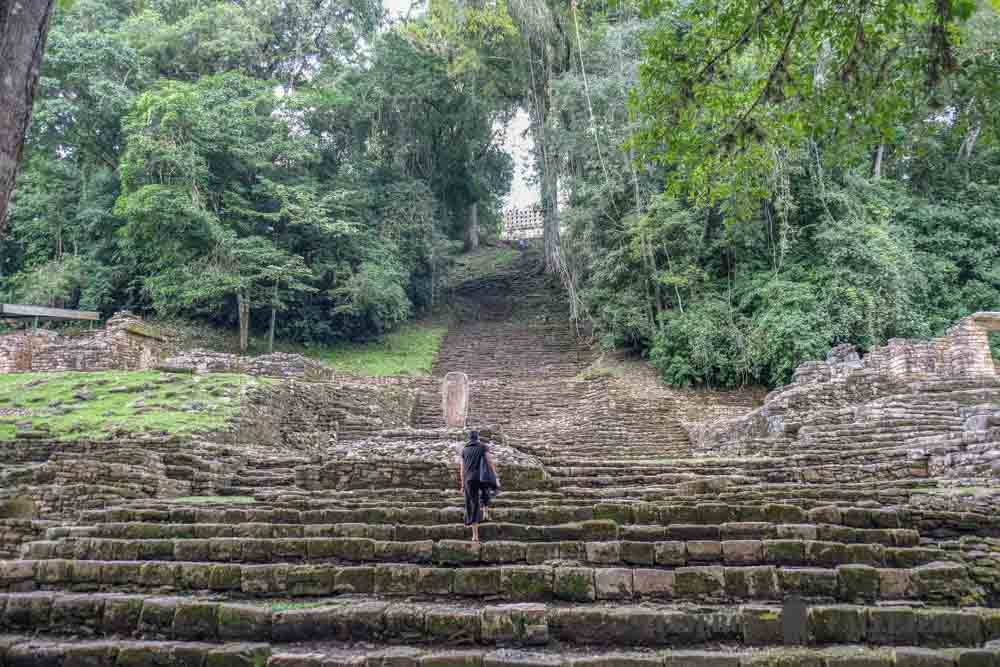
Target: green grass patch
[98,406]
[285,606]
[215,500]
[408,351]
[481,263]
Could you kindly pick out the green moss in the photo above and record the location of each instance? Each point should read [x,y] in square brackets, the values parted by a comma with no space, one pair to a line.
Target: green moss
[97,406]
[408,351]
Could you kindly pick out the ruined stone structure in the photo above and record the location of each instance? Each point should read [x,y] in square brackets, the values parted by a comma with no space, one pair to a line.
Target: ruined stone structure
[836,524]
[522,223]
[278,364]
[125,343]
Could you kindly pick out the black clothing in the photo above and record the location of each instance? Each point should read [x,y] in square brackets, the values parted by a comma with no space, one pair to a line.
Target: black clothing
[476,493]
[473,501]
[473,456]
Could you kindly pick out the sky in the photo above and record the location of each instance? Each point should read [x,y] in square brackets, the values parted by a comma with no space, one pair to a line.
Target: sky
[516,140]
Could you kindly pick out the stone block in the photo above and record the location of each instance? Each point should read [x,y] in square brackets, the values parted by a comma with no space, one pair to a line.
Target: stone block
[525,624]
[967,657]
[849,656]
[837,624]
[97,654]
[604,552]
[157,617]
[797,531]
[406,622]
[121,615]
[921,657]
[784,513]
[616,659]
[740,552]
[195,621]
[238,655]
[866,554]
[949,627]
[526,583]
[264,579]
[436,580]
[503,552]
[670,553]
[513,658]
[457,552]
[826,554]
[939,580]
[454,626]
[704,551]
[761,625]
[754,582]
[55,571]
[244,623]
[77,614]
[692,532]
[700,659]
[636,626]
[226,578]
[27,611]
[452,659]
[808,582]
[574,584]
[858,583]
[892,626]
[196,576]
[894,584]
[613,583]
[397,579]
[396,656]
[653,583]
[638,553]
[541,552]
[784,552]
[421,551]
[357,580]
[699,582]
[161,575]
[477,582]
[310,580]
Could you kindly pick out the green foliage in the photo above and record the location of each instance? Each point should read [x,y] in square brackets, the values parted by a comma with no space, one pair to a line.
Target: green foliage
[118,402]
[408,351]
[187,157]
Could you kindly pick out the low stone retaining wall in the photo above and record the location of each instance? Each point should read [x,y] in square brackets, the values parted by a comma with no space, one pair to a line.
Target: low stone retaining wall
[125,343]
[278,364]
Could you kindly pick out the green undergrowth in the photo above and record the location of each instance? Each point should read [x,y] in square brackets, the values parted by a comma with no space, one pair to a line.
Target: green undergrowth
[215,500]
[98,406]
[408,351]
[482,263]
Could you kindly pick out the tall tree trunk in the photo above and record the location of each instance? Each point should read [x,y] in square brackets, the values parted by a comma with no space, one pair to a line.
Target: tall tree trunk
[968,143]
[550,216]
[877,160]
[472,227]
[24,25]
[274,317]
[243,306]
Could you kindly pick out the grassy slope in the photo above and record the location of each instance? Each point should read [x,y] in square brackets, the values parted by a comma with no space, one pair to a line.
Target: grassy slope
[84,406]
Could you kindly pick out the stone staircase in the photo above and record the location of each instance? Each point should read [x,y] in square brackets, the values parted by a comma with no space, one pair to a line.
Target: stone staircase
[824,543]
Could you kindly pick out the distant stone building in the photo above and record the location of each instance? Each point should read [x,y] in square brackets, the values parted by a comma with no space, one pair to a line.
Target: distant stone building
[522,223]
[125,343]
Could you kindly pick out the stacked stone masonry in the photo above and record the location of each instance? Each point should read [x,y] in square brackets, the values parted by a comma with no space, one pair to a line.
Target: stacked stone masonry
[124,343]
[848,521]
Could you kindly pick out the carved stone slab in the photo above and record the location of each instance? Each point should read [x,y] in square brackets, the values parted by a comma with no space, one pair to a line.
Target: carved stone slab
[455,399]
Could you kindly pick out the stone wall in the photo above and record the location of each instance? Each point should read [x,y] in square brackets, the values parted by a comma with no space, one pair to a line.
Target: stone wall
[937,400]
[278,364]
[125,343]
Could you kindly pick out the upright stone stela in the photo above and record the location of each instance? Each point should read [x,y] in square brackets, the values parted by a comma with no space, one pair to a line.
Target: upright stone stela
[455,399]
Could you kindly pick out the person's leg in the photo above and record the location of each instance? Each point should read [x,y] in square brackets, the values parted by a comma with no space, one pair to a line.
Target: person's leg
[485,493]
[475,532]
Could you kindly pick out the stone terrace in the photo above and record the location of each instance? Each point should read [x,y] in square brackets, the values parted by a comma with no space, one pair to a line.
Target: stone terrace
[826,527]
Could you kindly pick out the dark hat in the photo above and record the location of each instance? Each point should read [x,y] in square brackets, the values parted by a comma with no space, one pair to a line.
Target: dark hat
[473,436]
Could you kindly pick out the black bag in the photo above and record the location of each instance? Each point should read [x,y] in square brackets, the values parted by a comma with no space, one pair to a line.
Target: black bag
[486,476]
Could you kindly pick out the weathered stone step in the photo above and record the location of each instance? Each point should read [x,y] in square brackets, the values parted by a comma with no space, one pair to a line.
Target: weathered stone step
[621,512]
[445,552]
[940,582]
[593,531]
[448,624]
[50,652]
